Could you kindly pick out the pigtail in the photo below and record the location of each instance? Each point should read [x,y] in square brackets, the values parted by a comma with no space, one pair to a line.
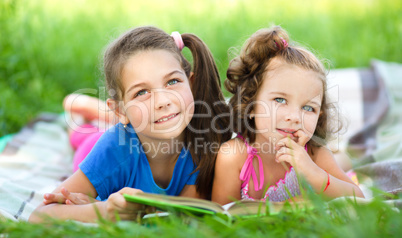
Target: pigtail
[258,50]
[262,45]
[211,114]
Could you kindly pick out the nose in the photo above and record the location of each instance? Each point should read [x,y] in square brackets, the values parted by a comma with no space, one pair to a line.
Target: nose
[294,115]
[161,99]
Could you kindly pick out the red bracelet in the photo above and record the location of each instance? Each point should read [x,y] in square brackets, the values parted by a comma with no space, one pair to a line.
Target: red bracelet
[328,182]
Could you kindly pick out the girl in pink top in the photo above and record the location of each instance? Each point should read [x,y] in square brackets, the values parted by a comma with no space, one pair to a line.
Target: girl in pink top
[281,113]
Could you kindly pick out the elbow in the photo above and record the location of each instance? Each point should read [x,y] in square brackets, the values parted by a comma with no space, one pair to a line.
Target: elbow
[37,215]
[359,193]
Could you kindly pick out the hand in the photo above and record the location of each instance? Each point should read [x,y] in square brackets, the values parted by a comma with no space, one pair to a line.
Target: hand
[294,153]
[65,197]
[117,206]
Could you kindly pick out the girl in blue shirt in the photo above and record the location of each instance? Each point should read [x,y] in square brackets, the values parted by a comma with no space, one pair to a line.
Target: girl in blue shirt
[171,120]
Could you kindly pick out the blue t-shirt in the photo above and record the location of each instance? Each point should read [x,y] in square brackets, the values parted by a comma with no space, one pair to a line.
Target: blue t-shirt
[118,160]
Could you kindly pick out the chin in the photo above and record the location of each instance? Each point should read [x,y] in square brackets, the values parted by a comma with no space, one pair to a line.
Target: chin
[172,134]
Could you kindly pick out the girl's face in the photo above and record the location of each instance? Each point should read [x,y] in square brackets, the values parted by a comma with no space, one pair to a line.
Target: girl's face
[158,101]
[288,100]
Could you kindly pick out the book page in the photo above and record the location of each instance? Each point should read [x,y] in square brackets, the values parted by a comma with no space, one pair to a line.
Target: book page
[245,207]
[165,202]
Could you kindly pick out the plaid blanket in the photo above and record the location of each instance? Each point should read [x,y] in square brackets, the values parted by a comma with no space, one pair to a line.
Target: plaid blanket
[376,147]
[33,162]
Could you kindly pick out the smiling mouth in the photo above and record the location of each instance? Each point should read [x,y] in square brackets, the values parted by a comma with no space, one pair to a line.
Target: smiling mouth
[166,118]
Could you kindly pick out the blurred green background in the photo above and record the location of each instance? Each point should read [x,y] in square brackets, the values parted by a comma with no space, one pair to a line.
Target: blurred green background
[49,48]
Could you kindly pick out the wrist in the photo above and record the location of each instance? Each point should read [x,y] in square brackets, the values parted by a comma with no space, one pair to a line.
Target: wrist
[101,209]
[317,178]
[90,212]
[328,181]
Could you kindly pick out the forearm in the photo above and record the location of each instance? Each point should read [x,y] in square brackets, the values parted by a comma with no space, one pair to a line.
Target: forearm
[82,213]
[336,187]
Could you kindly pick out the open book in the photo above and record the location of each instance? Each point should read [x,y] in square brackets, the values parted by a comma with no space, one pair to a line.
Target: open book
[204,207]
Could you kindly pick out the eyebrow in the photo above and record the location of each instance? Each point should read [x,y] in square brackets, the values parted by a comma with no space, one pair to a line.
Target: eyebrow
[144,83]
[135,86]
[173,72]
[316,103]
[280,93]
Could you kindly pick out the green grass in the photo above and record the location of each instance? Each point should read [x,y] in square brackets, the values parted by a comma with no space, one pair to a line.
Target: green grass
[342,219]
[49,48]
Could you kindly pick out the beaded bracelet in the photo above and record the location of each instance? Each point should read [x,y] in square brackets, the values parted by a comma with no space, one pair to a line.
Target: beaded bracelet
[328,182]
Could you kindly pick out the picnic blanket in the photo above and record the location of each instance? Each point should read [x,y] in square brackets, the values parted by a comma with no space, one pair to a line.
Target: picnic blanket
[371,99]
[38,158]
[377,147]
[33,162]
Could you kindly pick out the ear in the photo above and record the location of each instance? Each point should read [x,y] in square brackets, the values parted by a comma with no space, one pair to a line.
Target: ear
[191,78]
[251,114]
[118,109]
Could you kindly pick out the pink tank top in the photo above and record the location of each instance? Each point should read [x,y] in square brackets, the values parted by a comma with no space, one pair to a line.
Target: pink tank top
[284,189]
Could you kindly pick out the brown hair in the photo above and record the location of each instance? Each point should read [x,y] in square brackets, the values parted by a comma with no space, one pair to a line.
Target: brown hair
[246,72]
[206,87]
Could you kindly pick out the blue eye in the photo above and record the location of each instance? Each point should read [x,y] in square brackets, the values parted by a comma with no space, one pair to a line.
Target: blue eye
[172,82]
[308,108]
[280,100]
[141,93]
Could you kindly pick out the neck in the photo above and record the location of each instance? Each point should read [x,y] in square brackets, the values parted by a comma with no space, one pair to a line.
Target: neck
[163,149]
[264,147]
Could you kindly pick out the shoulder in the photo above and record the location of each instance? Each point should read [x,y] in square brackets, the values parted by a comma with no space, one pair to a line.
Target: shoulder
[232,152]
[118,138]
[115,147]
[229,162]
